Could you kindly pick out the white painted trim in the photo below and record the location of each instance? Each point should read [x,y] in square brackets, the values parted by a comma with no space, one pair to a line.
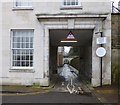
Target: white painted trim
[22,8]
[53,16]
[15,1]
[22,68]
[11,48]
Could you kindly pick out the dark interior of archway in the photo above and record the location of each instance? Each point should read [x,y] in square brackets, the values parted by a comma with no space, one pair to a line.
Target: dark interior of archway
[83,60]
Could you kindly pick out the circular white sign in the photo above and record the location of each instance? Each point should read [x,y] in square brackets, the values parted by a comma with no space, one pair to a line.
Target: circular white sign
[100,52]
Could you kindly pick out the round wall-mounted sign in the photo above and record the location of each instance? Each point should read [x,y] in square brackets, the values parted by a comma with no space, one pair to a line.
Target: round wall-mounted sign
[100,52]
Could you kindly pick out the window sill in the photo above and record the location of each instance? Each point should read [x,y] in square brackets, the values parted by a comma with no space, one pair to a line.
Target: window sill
[70,7]
[22,8]
[21,69]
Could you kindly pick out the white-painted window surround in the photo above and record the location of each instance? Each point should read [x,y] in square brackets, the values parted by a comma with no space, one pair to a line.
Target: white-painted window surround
[22,48]
[23,4]
[71,4]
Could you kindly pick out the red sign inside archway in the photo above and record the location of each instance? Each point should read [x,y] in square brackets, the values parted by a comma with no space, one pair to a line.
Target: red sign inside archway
[70,38]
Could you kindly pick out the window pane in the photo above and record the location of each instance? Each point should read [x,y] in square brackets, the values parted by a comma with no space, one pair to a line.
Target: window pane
[14,39]
[31,57]
[13,63]
[31,39]
[27,39]
[18,45]
[68,2]
[27,45]
[27,63]
[31,51]
[23,57]
[14,45]
[64,2]
[23,52]
[27,57]
[31,45]
[18,57]
[18,52]
[73,2]
[18,39]
[14,57]
[15,34]
[76,2]
[23,45]
[17,63]
[23,63]
[23,39]
[14,51]
[27,52]
[31,63]
[18,3]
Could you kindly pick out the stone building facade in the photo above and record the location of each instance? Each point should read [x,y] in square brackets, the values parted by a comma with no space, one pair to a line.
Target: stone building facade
[25,37]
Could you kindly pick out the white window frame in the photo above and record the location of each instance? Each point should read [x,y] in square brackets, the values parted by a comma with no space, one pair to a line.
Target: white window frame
[23,6]
[21,67]
[71,6]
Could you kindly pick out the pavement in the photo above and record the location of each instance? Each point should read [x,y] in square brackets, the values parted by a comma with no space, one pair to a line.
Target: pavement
[15,90]
[105,94]
[47,95]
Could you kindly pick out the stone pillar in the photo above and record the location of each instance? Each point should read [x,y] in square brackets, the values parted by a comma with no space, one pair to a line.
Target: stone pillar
[107,58]
[95,60]
[45,80]
[1,44]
